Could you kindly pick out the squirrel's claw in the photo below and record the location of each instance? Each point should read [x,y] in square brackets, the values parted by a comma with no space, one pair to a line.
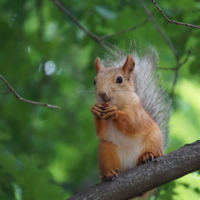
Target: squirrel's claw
[146,157]
[111,175]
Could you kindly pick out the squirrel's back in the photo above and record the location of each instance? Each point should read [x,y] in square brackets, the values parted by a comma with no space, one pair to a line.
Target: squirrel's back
[146,82]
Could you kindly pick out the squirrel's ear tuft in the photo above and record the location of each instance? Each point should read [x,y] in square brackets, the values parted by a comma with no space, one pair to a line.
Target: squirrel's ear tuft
[98,66]
[129,65]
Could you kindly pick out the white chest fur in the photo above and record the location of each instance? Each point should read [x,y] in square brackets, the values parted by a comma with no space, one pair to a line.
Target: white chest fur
[129,149]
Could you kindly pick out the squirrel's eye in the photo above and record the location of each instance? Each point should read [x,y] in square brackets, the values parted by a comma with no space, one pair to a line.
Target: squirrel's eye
[119,79]
[94,82]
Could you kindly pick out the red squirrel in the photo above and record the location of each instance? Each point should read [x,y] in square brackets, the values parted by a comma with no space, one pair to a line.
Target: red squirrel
[129,131]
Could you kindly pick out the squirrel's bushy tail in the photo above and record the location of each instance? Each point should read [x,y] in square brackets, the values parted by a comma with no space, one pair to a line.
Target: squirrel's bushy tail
[147,82]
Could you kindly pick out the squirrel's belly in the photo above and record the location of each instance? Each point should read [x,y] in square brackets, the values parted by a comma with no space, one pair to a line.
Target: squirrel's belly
[129,149]
[129,156]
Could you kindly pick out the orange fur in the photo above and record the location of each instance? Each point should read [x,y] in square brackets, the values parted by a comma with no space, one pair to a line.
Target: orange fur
[101,126]
[108,157]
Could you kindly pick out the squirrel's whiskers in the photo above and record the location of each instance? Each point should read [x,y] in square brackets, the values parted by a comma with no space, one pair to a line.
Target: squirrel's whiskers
[81,93]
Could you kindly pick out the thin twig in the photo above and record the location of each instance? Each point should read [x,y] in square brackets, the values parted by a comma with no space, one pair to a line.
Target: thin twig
[125,30]
[172,21]
[167,68]
[177,73]
[25,100]
[178,66]
[159,29]
[75,20]
[97,39]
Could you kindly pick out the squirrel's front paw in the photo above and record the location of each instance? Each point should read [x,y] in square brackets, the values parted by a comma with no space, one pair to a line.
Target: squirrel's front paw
[110,112]
[97,110]
[111,175]
[146,157]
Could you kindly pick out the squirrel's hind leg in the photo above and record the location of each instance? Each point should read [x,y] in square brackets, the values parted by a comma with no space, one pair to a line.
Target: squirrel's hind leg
[109,163]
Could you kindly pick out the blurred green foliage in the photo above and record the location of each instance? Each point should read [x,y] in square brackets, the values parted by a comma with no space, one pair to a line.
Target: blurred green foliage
[52,154]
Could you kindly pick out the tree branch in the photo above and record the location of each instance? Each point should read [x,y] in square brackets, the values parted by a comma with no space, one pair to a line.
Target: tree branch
[25,100]
[172,21]
[146,177]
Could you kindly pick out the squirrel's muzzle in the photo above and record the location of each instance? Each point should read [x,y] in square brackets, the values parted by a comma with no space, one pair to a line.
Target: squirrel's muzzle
[103,96]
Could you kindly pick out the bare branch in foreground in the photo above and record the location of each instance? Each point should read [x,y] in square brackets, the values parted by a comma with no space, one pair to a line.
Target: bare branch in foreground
[172,21]
[146,177]
[25,100]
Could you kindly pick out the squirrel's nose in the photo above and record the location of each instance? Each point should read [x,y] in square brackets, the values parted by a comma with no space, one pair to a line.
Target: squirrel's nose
[102,94]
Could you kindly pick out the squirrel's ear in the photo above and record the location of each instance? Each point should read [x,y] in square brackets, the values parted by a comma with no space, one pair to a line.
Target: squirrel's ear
[98,66]
[129,65]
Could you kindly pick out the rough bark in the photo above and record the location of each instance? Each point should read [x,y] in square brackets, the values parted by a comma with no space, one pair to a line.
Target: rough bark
[146,177]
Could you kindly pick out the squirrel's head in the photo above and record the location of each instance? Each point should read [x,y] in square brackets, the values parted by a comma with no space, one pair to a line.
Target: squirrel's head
[115,84]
